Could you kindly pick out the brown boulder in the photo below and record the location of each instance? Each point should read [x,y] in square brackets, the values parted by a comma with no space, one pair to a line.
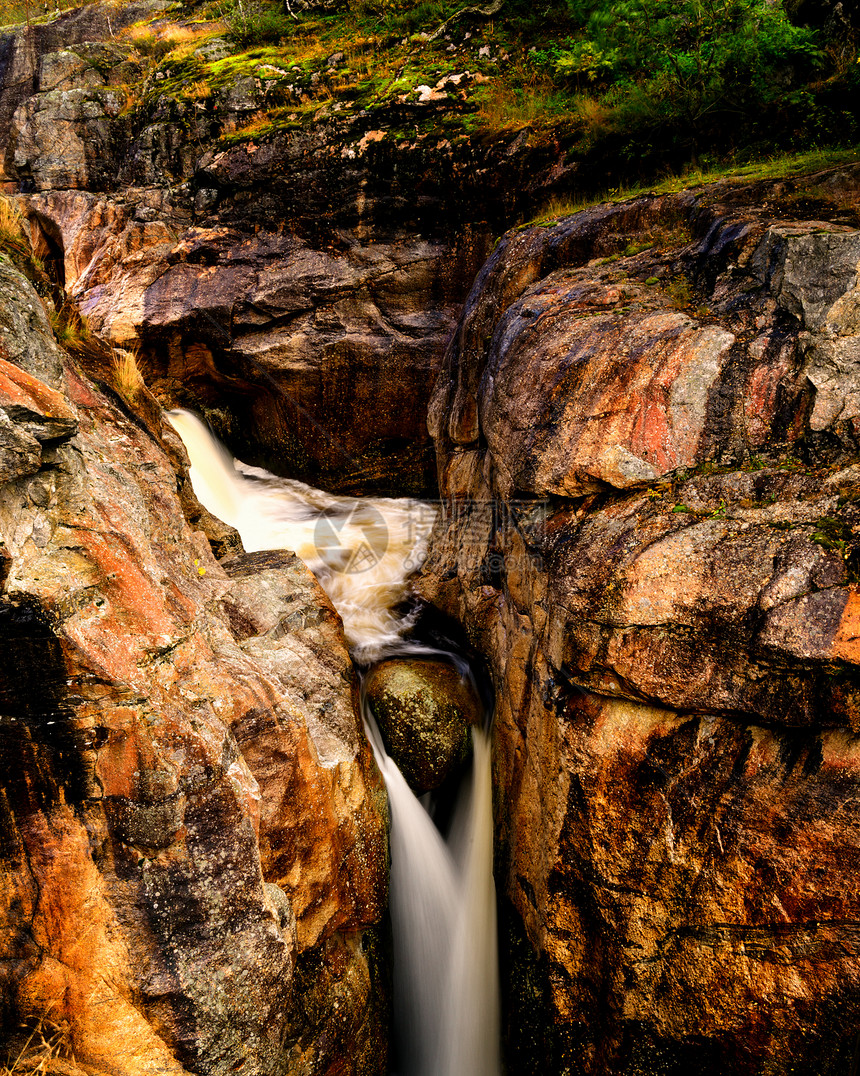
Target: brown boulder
[424,710]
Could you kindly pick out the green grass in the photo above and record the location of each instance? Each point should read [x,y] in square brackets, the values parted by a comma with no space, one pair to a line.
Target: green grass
[780,166]
[626,138]
[15,13]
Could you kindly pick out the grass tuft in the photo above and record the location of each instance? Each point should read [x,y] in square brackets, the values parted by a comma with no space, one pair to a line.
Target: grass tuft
[44,1049]
[128,379]
[783,166]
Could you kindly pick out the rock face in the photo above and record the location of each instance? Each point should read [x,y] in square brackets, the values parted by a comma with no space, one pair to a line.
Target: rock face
[192,829]
[647,437]
[424,710]
[300,288]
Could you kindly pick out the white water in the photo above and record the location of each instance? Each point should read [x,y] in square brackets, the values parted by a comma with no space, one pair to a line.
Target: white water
[442,900]
[361,549]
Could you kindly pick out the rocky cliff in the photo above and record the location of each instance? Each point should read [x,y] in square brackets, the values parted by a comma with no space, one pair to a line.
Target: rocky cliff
[647,437]
[192,826]
[298,288]
[646,431]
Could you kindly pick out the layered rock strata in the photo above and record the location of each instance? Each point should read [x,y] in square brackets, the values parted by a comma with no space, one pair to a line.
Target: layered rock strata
[298,288]
[647,439]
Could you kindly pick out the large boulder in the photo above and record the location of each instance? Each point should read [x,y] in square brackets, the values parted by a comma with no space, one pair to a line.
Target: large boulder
[424,710]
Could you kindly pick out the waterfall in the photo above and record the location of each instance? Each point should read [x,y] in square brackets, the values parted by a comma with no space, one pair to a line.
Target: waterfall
[442,902]
[362,549]
[443,913]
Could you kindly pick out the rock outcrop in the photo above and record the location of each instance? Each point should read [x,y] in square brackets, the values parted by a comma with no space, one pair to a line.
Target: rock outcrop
[192,828]
[646,428]
[299,287]
[647,438]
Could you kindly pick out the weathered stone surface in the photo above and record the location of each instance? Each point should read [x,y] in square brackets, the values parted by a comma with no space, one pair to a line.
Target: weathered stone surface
[280,616]
[22,55]
[582,432]
[180,819]
[298,289]
[689,883]
[652,531]
[424,710]
[328,356]
[30,403]
[66,138]
[26,339]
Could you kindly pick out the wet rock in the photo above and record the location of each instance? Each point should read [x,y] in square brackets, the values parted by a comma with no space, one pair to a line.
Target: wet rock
[424,710]
[646,434]
[180,817]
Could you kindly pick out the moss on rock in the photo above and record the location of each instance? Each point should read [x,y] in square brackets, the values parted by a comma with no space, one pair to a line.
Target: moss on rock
[424,710]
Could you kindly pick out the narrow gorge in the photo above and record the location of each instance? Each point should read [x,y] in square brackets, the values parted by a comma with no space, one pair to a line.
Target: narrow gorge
[430,611]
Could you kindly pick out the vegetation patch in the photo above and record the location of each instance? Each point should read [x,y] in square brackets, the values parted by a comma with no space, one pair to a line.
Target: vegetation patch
[15,245]
[644,95]
[37,1049]
[17,13]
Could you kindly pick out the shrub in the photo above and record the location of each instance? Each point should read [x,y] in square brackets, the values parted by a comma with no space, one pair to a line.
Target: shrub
[254,22]
[669,78]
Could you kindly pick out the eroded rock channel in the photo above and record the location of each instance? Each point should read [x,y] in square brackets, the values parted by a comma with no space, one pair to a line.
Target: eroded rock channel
[639,426]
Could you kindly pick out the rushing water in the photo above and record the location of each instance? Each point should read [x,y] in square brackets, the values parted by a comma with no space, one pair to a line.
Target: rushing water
[443,905]
[362,549]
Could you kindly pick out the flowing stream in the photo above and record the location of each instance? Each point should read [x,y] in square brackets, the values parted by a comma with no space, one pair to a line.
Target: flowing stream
[442,895]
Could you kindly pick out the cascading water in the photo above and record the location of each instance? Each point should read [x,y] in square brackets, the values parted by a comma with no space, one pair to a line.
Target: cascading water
[443,906]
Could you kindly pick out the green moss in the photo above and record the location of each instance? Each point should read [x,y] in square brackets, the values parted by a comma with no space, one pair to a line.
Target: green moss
[388,52]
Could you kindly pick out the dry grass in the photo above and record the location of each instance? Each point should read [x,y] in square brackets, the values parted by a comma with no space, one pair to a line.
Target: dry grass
[505,107]
[45,1049]
[127,376]
[592,112]
[128,381]
[70,327]
[198,90]
[13,229]
[177,40]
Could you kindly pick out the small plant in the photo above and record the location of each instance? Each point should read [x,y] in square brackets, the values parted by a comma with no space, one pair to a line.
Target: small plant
[13,237]
[253,22]
[127,376]
[634,247]
[832,534]
[16,244]
[70,326]
[837,536]
[679,291]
